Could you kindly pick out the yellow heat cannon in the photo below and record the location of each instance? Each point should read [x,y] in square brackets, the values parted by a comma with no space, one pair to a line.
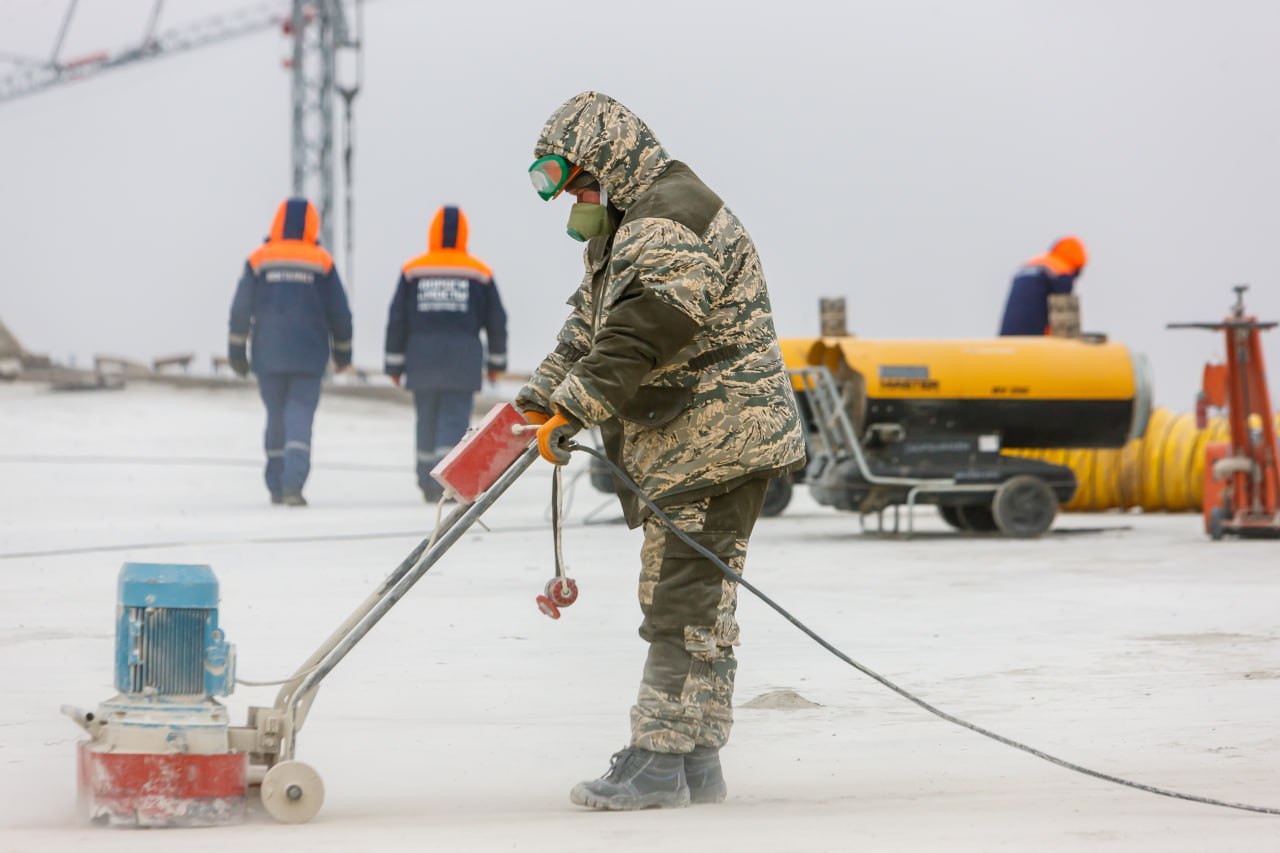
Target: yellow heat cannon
[901,422]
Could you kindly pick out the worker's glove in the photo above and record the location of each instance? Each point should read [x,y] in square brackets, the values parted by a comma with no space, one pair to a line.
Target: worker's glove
[238,358]
[533,416]
[396,378]
[342,356]
[553,438]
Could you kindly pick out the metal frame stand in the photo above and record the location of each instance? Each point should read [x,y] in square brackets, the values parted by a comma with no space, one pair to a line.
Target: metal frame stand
[271,733]
[840,441]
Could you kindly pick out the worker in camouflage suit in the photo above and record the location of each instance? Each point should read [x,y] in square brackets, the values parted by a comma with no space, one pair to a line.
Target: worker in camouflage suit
[670,349]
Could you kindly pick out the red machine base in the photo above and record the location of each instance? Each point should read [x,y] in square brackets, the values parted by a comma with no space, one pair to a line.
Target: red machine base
[124,789]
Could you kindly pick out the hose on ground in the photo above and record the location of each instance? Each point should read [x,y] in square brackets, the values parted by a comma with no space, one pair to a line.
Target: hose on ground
[734,577]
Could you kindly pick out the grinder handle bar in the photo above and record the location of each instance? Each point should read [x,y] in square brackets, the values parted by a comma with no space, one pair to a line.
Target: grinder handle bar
[295,696]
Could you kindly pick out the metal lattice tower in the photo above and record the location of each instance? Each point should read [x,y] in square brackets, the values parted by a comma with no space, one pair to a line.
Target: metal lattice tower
[316,29]
[325,64]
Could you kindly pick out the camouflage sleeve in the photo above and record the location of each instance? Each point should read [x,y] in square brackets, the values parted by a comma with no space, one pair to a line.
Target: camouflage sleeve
[662,282]
[573,342]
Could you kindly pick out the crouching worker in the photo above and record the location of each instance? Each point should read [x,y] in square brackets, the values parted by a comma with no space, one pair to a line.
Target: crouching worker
[670,348]
[1026,310]
[443,301]
[288,306]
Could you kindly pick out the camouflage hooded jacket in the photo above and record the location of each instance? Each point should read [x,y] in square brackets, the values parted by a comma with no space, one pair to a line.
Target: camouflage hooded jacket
[670,346]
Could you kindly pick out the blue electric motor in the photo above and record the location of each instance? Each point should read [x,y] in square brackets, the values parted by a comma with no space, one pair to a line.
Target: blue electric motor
[168,642]
[159,752]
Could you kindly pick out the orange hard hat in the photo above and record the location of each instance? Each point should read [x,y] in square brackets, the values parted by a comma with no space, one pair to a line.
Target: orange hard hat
[1070,251]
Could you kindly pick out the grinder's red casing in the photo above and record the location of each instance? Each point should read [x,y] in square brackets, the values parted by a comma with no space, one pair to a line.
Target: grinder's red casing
[142,789]
[484,453]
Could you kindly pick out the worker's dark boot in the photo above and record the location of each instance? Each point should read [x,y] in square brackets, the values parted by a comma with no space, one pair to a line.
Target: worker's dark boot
[637,779]
[703,774]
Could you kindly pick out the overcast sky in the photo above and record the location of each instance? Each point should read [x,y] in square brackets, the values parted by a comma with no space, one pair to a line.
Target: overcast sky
[907,155]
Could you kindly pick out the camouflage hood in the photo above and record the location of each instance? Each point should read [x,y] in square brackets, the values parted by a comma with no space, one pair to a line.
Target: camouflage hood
[605,138]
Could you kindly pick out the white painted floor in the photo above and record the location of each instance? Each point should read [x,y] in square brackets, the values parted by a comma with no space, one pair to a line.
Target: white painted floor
[1142,650]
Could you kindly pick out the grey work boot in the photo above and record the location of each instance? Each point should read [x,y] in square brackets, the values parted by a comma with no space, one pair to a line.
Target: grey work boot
[637,779]
[703,775]
[293,499]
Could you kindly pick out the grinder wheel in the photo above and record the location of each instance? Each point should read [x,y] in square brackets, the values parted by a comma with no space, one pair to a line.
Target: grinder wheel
[292,792]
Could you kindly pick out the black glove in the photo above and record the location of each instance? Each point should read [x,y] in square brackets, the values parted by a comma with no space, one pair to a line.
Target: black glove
[342,355]
[238,358]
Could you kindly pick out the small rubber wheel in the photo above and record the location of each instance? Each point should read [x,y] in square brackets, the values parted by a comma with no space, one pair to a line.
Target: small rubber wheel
[777,495]
[292,792]
[561,591]
[1024,506]
[952,516]
[1217,523]
[548,607]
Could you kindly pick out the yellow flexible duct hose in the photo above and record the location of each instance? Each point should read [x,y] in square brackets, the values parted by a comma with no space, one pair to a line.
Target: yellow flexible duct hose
[1162,471]
[1106,485]
[1151,456]
[1175,463]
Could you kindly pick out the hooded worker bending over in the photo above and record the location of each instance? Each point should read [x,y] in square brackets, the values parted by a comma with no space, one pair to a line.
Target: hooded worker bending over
[288,306]
[1027,310]
[670,348]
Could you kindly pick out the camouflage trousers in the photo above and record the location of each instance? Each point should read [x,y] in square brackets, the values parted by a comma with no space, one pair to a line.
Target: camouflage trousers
[686,692]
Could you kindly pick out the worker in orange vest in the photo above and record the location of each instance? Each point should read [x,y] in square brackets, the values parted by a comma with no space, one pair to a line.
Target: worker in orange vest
[289,313]
[444,299]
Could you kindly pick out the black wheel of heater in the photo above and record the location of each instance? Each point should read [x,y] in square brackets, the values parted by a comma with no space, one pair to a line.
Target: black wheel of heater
[1024,507]
[977,518]
[601,477]
[776,497]
[953,516]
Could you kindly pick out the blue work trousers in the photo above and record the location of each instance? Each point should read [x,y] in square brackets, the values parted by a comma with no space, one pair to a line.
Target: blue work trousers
[443,416]
[291,400]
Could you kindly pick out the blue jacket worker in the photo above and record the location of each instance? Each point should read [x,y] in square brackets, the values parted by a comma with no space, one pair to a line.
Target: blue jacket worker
[443,300]
[288,306]
[1026,312]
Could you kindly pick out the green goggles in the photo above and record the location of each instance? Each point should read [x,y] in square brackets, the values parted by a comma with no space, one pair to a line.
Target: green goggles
[551,174]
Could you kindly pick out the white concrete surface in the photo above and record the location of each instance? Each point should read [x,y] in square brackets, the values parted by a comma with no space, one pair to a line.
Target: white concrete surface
[462,721]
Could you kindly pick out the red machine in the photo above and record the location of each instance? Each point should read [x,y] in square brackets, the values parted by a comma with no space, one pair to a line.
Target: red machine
[487,450]
[1241,480]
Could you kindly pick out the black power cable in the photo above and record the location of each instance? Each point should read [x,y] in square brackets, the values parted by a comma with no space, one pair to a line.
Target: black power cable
[905,694]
